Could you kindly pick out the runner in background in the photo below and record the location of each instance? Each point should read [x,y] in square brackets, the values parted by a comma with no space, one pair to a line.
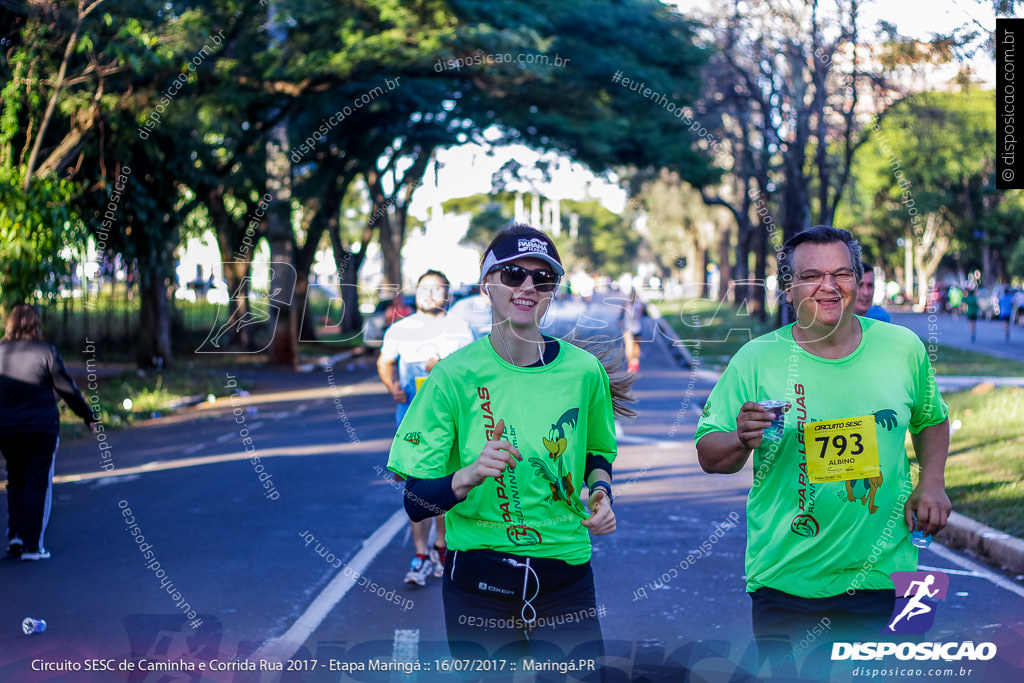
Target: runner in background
[632,323]
[508,431]
[971,310]
[956,299]
[412,346]
[864,305]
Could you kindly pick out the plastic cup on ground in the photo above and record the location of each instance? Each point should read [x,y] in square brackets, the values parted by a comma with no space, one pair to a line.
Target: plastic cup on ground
[778,410]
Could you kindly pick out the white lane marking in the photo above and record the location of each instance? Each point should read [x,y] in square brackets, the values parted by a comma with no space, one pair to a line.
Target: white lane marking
[958,572]
[980,571]
[224,437]
[107,481]
[406,648]
[644,440]
[193,449]
[282,648]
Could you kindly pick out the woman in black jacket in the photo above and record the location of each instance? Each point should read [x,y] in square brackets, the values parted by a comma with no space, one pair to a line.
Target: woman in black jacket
[30,371]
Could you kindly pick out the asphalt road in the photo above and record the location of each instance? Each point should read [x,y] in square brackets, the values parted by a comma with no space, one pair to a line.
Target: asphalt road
[944,328]
[300,558]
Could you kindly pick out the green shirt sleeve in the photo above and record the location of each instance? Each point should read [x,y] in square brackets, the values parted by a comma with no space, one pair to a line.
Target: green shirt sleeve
[733,389]
[601,420]
[929,409]
[425,445]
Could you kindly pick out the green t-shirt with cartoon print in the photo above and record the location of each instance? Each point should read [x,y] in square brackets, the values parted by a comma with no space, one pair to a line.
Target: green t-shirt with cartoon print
[820,539]
[554,415]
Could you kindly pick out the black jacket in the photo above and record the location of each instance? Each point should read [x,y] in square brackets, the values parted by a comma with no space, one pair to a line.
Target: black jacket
[30,371]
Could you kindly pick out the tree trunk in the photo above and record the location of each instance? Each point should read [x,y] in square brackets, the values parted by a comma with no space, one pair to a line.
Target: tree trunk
[724,267]
[391,238]
[756,293]
[154,348]
[348,264]
[307,320]
[284,346]
[741,271]
[235,271]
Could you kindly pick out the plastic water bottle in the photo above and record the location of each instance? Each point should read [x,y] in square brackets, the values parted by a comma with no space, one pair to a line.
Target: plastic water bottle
[30,626]
[918,538]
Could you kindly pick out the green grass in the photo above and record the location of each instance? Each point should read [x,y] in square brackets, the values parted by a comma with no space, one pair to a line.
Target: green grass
[985,470]
[150,392]
[720,328]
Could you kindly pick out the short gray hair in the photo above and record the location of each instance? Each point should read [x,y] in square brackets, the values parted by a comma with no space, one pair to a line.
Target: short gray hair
[819,234]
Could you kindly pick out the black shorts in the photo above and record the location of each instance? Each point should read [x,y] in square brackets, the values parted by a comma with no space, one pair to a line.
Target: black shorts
[494,606]
[788,626]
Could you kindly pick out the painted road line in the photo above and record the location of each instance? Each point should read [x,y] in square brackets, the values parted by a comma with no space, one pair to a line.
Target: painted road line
[406,648]
[979,571]
[944,570]
[282,648]
[643,440]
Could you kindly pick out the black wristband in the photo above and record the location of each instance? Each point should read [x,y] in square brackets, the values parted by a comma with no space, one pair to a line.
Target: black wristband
[601,484]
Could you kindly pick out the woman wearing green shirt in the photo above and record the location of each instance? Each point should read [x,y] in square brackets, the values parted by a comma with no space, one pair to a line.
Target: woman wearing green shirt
[501,437]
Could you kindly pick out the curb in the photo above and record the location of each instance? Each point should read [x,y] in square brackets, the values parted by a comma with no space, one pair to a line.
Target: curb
[676,348]
[325,361]
[997,547]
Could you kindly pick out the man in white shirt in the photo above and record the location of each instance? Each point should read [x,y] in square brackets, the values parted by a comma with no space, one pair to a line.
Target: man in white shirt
[412,346]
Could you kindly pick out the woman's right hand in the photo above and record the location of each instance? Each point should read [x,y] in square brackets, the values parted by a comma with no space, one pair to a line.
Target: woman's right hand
[496,456]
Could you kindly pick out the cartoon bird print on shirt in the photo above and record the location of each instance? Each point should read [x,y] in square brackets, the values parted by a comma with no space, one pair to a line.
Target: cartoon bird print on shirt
[867,488]
[560,481]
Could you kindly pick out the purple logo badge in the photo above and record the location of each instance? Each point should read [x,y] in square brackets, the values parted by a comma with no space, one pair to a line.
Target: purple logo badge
[917,596]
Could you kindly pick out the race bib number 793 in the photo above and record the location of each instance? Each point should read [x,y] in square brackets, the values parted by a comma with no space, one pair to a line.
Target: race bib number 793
[841,450]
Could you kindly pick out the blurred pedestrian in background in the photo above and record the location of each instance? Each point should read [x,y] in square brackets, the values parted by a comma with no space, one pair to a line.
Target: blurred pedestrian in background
[30,371]
[632,324]
[971,310]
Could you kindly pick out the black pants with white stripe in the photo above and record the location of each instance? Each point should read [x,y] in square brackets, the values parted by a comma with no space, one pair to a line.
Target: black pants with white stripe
[30,460]
[498,608]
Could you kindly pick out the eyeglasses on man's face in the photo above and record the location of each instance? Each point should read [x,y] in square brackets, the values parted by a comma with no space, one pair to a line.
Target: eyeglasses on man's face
[843,276]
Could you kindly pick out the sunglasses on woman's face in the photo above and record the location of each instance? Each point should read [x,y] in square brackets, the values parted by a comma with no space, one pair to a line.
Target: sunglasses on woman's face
[514,276]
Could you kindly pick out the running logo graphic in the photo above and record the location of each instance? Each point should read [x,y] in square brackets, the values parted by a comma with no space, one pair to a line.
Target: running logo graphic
[556,473]
[258,318]
[915,610]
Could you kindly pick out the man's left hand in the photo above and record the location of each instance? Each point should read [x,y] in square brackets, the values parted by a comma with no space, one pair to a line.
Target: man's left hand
[932,506]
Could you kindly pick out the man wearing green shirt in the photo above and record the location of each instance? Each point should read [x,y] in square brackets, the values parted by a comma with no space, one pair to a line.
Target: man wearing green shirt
[830,512]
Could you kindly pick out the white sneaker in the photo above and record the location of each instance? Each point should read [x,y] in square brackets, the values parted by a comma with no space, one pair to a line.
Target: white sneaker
[41,554]
[419,570]
[438,560]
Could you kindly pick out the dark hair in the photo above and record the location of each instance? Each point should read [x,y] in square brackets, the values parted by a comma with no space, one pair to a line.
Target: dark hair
[520,230]
[819,234]
[866,267]
[437,274]
[24,323]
